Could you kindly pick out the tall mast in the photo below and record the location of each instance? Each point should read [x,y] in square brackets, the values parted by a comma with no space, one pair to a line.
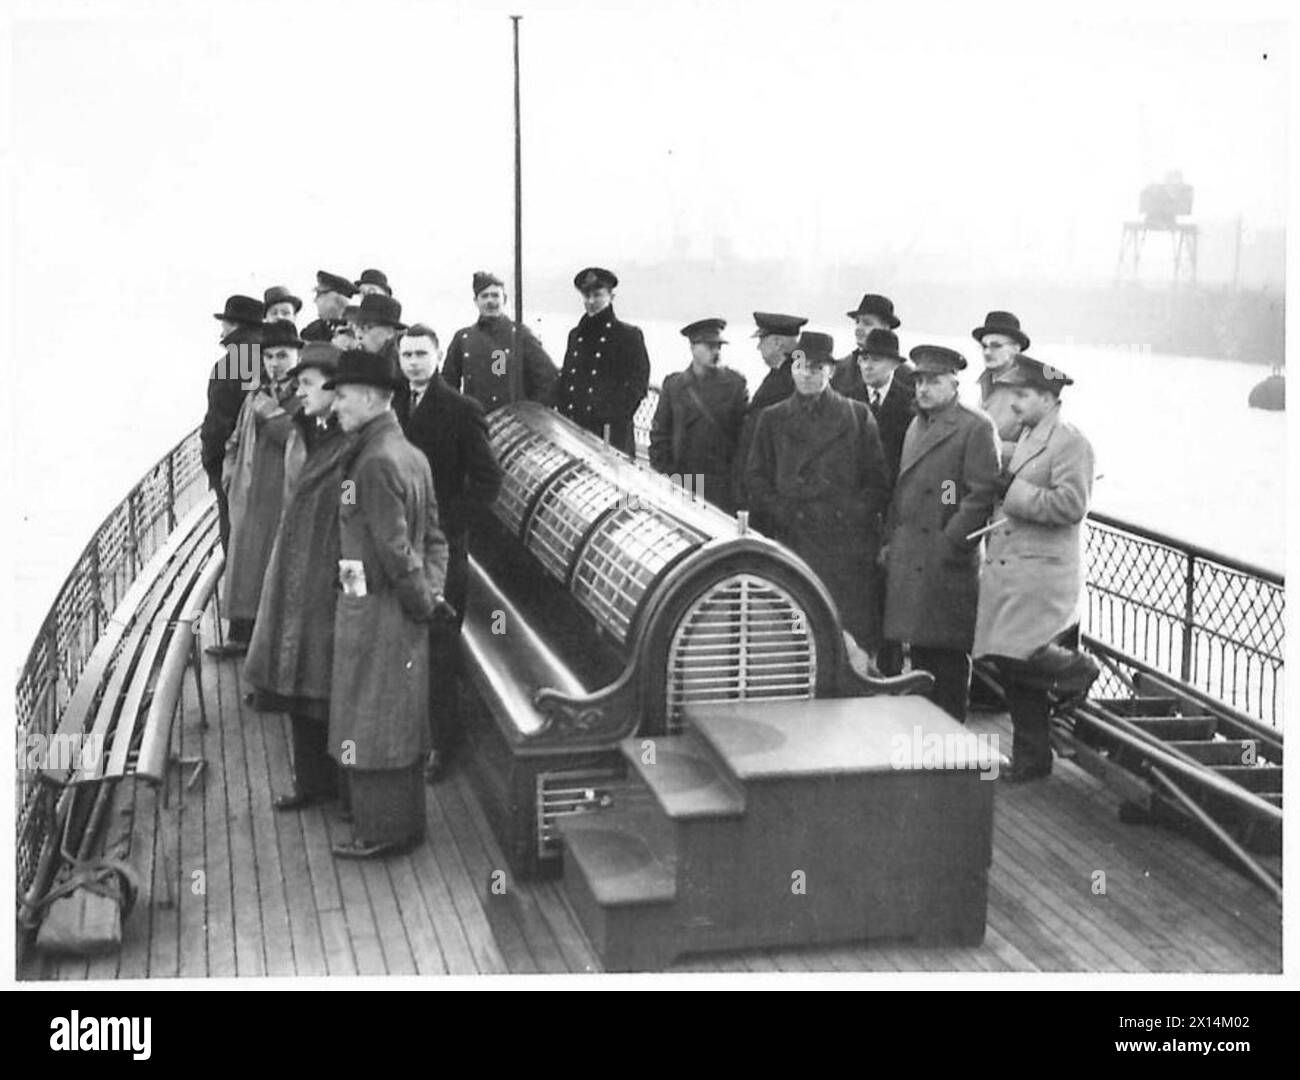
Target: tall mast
[516,366]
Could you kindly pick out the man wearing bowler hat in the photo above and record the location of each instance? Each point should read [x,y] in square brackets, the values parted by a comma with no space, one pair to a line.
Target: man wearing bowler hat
[1033,578]
[292,649]
[373,281]
[817,479]
[777,336]
[331,295]
[606,370]
[947,479]
[494,361]
[392,566]
[237,371]
[281,304]
[697,422]
[1001,340]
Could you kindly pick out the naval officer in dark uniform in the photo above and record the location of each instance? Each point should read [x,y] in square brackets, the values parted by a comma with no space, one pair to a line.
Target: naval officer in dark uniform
[777,336]
[606,368]
[331,296]
[697,424]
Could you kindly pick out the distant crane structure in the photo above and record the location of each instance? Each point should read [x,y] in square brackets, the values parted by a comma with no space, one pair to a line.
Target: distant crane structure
[1161,205]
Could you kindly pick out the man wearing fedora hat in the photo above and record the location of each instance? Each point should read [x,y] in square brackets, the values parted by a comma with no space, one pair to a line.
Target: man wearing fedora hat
[451,430]
[494,361]
[696,426]
[377,320]
[255,479]
[281,304]
[292,648]
[876,373]
[944,491]
[1001,340]
[331,296]
[606,369]
[392,567]
[1033,578]
[373,281]
[235,372]
[817,481]
[777,336]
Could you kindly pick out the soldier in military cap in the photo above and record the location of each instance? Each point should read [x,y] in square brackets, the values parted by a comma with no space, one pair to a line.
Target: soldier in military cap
[331,295]
[777,335]
[484,360]
[373,281]
[606,369]
[817,481]
[281,304]
[946,484]
[1033,578]
[1002,340]
[696,425]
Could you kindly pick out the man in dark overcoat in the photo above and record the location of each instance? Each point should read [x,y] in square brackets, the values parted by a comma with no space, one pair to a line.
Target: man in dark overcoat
[816,476]
[777,335]
[696,426]
[392,569]
[606,369]
[874,374]
[947,480]
[452,431]
[292,650]
[485,362]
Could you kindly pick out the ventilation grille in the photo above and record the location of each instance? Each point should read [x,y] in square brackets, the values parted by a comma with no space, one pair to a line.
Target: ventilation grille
[744,639]
[625,554]
[576,791]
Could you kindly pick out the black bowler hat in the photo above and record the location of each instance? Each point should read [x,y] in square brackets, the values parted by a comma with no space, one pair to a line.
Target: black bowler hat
[936,360]
[327,282]
[708,331]
[366,368]
[279,334]
[1026,371]
[484,279]
[1001,322]
[880,306]
[595,277]
[815,348]
[278,294]
[769,323]
[882,344]
[374,277]
[377,308]
[320,355]
[243,310]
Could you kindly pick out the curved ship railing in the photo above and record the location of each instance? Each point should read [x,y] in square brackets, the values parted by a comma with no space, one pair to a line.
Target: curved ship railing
[1210,620]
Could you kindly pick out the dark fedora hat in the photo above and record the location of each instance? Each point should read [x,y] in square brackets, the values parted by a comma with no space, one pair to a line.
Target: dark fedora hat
[882,344]
[936,360]
[377,308]
[320,355]
[815,348]
[327,282]
[279,334]
[708,331]
[1001,322]
[595,277]
[484,279]
[1026,371]
[880,306]
[243,310]
[374,277]
[278,294]
[772,323]
[366,368]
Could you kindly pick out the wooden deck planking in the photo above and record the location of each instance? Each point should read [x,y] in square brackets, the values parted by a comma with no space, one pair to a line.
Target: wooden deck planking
[187,735]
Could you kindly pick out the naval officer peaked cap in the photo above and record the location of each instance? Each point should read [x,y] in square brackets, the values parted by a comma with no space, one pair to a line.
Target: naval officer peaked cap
[769,323]
[708,331]
[936,360]
[327,282]
[595,277]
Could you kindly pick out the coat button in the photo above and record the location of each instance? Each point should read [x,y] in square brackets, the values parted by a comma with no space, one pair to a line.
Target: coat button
[598,355]
[579,341]
[602,339]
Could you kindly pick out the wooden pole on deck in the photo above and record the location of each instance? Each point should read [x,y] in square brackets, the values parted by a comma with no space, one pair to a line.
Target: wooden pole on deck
[515,367]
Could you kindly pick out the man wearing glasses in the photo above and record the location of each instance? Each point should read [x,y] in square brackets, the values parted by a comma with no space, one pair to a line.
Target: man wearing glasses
[331,296]
[1002,341]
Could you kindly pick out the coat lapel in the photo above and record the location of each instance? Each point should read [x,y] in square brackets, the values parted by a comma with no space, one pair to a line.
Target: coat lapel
[1033,441]
[920,440]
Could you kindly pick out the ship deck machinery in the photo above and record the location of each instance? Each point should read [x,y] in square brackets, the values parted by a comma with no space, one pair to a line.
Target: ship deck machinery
[605,601]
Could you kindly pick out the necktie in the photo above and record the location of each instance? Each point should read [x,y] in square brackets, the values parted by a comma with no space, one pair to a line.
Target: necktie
[875,401]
